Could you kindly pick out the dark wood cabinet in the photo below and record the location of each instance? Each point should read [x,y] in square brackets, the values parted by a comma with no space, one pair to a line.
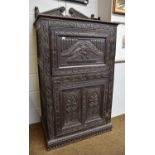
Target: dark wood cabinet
[76,67]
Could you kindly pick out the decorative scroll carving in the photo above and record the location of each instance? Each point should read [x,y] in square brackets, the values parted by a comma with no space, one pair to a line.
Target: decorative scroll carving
[59,12]
[76,14]
[68,42]
[82,51]
[54,12]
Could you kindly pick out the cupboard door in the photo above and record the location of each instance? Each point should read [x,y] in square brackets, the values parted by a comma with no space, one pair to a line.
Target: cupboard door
[80,106]
[79,50]
[96,103]
[68,113]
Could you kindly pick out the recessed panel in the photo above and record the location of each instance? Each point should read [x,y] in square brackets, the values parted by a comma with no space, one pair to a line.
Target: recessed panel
[71,106]
[93,102]
[77,50]
[80,105]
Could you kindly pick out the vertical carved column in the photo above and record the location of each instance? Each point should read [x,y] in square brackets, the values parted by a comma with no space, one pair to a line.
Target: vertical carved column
[45,77]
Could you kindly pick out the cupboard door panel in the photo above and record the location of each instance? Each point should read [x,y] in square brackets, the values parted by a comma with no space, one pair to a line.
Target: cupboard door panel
[71,107]
[79,106]
[96,104]
[68,110]
[75,50]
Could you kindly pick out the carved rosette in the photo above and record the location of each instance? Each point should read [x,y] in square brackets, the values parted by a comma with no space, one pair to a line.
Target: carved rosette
[72,105]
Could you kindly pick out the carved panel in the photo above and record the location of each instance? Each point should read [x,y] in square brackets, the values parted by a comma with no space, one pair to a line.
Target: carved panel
[72,106]
[78,103]
[78,51]
[96,104]
[85,45]
[68,107]
[78,48]
[93,43]
[93,102]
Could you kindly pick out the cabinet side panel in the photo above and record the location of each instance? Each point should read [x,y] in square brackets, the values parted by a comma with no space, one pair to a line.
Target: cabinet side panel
[111,62]
[45,77]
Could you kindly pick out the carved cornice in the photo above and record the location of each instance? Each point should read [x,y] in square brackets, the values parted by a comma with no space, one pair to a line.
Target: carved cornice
[76,14]
[59,13]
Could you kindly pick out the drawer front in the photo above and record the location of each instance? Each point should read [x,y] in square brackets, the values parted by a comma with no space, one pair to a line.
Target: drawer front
[80,105]
[74,49]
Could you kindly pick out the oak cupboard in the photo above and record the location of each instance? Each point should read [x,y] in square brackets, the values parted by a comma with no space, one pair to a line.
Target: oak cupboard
[76,67]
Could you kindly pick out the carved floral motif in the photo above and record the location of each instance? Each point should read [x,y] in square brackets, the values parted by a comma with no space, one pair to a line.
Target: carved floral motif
[93,102]
[72,104]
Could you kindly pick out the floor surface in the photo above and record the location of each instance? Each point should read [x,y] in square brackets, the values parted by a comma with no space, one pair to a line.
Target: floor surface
[109,143]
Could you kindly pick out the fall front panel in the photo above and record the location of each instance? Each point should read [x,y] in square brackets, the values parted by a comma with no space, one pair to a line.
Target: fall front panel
[76,50]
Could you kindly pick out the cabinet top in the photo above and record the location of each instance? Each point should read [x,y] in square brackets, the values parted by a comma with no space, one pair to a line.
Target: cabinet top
[74,15]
